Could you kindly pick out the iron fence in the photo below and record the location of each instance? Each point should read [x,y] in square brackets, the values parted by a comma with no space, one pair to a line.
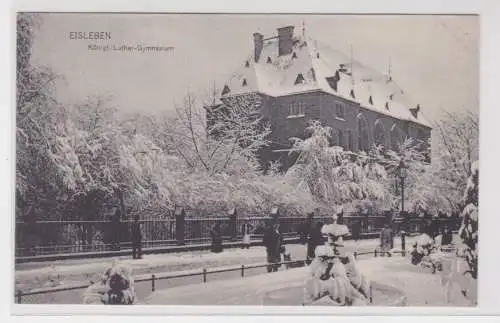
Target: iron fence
[43,238]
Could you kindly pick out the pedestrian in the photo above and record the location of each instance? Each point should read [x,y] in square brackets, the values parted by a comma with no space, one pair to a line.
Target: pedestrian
[273,241]
[446,236]
[386,240]
[136,238]
[356,230]
[216,238]
[315,238]
[246,231]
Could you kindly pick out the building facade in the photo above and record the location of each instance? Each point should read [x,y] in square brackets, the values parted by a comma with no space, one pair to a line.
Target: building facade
[299,80]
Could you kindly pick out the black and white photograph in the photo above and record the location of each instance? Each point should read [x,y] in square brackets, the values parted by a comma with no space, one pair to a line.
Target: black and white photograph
[246,159]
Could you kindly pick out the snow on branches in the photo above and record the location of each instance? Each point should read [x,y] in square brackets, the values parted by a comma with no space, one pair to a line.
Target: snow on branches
[469,229]
[332,175]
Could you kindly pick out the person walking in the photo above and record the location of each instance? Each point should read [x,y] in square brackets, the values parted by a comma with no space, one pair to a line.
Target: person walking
[386,240]
[216,235]
[356,230]
[315,238]
[246,231]
[273,242]
[136,238]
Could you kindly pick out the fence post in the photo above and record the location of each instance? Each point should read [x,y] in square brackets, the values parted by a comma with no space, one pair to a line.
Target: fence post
[179,225]
[204,275]
[153,278]
[19,297]
[371,295]
[242,270]
[403,243]
[233,230]
[275,214]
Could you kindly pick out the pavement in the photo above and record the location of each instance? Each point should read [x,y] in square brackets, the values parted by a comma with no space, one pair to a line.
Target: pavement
[35,275]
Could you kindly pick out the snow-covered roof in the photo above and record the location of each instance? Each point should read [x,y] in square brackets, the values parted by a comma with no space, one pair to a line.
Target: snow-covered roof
[320,67]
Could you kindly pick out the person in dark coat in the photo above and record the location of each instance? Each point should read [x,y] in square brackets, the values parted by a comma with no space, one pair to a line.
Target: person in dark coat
[136,239]
[386,240]
[447,236]
[356,230]
[315,239]
[273,241]
[216,238]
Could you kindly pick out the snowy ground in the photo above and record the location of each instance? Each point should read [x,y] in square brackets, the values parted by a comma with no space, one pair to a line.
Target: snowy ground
[420,287]
[36,275]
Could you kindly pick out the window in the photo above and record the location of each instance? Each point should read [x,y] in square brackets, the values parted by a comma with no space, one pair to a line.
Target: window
[269,61]
[363,136]
[350,141]
[294,55]
[296,109]
[379,133]
[341,139]
[244,82]
[247,64]
[339,108]
[225,90]
[300,79]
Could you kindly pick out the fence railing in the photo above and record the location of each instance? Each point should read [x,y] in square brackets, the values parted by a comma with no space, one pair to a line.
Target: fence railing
[204,273]
[42,238]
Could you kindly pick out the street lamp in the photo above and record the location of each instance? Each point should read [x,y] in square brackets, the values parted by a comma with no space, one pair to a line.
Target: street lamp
[402,173]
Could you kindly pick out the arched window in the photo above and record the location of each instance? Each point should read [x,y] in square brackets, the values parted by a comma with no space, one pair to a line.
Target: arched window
[379,133]
[396,137]
[363,133]
[334,138]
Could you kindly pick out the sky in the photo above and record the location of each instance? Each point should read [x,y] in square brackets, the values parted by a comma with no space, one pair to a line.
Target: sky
[434,59]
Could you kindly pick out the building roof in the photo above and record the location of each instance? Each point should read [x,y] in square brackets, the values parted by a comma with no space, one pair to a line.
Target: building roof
[313,66]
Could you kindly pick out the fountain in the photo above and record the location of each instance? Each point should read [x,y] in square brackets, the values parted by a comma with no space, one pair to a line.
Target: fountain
[334,279]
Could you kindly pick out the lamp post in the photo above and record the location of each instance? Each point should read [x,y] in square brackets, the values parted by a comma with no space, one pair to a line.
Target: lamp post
[402,173]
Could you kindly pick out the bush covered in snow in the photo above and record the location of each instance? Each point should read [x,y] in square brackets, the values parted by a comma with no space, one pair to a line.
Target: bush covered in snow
[469,228]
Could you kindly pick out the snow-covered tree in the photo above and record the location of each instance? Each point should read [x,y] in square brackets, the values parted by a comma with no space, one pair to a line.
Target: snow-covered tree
[227,143]
[335,176]
[469,229]
[455,148]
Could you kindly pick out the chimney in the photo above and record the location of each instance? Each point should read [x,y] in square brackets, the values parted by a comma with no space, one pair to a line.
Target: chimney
[258,42]
[285,39]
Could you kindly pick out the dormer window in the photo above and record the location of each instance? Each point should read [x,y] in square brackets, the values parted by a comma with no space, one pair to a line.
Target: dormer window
[244,83]
[269,61]
[387,105]
[300,79]
[294,55]
[332,81]
[247,64]
[317,55]
[352,94]
[391,96]
[415,111]
[225,90]
[370,100]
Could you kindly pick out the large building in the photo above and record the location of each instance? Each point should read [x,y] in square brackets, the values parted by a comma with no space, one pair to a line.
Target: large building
[299,80]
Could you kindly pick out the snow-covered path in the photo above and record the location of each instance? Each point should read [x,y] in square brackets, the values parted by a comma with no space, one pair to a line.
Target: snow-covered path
[33,275]
[420,287]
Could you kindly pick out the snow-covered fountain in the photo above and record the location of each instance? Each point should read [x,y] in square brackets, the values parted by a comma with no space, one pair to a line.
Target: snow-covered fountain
[334,279]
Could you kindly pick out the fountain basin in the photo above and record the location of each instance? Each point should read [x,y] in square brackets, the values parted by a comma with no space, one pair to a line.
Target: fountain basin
[382,295]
